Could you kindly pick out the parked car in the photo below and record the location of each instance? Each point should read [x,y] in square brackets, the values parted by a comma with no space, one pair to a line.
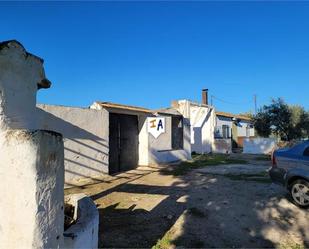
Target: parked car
[290,167]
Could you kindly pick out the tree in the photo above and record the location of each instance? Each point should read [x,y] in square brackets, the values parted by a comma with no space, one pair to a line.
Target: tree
[300,120]
[262,123]
[282,120]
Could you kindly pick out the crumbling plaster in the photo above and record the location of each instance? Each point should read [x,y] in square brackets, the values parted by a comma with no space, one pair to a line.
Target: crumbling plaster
[20,76]
[31,165]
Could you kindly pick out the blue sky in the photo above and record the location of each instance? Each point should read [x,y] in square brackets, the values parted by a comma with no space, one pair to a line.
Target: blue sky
[149,53]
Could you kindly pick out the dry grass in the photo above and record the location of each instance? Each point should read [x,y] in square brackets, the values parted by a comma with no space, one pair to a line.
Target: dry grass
[164,243]
[199,161]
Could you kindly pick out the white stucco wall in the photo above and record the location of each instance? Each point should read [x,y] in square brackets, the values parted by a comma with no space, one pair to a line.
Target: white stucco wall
[164,141]
[86,145]
[201,121]
[85,133]
[220,121]
[20,74]
[31,203]
[84,233]
[31,165]
[259,145]
[222,145]
[242,129]
[160,149]
[143,142]
[143,146]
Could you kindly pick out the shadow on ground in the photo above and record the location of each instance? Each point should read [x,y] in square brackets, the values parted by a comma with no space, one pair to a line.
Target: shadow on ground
[195,210]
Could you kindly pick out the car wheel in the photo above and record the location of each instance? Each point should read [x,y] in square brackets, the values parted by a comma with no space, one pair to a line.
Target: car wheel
[300,193]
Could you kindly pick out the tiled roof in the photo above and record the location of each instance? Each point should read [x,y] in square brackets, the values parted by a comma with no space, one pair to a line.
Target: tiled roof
[123,107]
[230,115]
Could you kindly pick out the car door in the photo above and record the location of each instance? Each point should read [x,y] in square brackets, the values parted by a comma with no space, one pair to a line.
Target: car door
[290,158]
[286,159]
[303,162]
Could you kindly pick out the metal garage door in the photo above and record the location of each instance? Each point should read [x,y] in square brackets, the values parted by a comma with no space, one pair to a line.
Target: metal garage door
[123,142]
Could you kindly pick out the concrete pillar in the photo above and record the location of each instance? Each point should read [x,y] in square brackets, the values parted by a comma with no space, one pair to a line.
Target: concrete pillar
[31,203]
[21,74]
[31,165]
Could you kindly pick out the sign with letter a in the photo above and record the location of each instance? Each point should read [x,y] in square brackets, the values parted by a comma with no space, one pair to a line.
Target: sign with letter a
[156,126]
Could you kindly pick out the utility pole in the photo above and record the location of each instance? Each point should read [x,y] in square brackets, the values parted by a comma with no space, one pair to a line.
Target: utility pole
[255,105]
[211,100]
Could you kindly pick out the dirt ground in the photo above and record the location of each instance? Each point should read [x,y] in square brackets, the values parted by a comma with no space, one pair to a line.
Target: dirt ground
[223,208]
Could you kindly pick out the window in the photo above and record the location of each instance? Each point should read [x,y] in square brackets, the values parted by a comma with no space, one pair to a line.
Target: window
[217,132]
[177,133]
[225,131]
[306,152]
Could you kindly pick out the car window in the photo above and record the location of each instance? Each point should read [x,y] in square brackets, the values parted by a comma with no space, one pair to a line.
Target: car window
[306,151]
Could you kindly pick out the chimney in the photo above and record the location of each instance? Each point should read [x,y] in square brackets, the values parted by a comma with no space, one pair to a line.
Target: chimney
[205,96]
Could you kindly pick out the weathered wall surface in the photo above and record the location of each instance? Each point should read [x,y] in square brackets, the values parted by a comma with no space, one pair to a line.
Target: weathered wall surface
[220,121]
[201,119]
[259,145]
[222,146]
[224,121]
[31,165]
[202,129]
[31,203]
[19,78]
[242,129]
[84,233]
[164,141]
[168,156]
[143,147]
[85,133]
[160,149]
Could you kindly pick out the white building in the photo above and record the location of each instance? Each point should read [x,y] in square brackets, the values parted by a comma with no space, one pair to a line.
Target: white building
[213,131]
[202,122]
[235,127]
[110,138]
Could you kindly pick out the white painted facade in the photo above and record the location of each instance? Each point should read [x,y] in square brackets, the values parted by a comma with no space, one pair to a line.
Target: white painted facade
[160,149]
[20,74]
[153,151]
[201,120]
[143,144]
[245,129]
[86,140]
[220,123]
[84,233]
[31,171]
[222,145]
[259,145]
[31,165]
[85,133]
